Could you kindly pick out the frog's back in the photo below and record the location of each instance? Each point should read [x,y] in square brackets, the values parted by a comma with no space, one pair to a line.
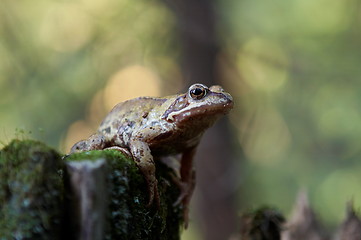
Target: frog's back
[128,116]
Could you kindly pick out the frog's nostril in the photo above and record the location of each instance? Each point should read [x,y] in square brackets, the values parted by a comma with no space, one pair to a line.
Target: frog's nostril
[229,98]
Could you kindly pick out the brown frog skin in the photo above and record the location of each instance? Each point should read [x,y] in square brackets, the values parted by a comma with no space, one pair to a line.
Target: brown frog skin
[148,128]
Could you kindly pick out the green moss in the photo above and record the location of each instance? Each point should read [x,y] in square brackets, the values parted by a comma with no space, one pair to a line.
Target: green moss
[31,190]
[32,195]
[129,217]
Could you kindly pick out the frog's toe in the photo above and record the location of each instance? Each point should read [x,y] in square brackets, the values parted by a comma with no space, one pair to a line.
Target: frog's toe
[120,149]
[183,187]
[151,199]
[184,199]
[184,190]
[153,193]
[154,197]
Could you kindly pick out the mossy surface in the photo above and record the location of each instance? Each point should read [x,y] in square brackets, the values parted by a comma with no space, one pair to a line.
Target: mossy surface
[33,203]
[129,217]
[31,190]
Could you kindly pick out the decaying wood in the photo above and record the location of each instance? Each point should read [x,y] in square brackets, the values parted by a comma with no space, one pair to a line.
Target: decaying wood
[92,195]
[303,223]
[31,192]
[88,188]
[266,224]
[104,196]
[350,229]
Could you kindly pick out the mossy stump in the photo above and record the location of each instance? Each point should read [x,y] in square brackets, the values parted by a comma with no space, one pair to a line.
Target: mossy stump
[90,195]
[31,192]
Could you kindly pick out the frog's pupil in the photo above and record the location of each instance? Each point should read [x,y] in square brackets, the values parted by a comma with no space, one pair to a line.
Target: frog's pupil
[197,91]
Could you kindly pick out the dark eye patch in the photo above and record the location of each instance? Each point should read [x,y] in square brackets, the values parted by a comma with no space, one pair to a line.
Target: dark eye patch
[180,103]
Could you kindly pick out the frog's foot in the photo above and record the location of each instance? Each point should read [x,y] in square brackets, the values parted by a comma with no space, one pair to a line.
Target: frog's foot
[184,198]
[125,151]
[186,190]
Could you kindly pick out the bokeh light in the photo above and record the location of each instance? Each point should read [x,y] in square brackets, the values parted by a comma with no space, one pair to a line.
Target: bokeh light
[65,27]
[77,131]
[266,139]
[263,64]
[131,82]
[344,181]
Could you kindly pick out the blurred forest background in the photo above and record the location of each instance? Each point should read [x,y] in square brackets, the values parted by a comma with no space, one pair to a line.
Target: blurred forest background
[292,66]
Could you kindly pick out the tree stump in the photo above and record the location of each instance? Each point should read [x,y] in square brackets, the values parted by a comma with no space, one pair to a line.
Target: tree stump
[90,195]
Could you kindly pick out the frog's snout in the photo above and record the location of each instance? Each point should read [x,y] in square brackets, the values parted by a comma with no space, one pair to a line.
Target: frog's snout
[228,100]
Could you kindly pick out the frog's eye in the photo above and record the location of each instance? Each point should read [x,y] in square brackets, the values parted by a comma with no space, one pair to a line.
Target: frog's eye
[197,91]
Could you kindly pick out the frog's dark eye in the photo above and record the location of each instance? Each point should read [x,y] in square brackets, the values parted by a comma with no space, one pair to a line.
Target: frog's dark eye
[197,91]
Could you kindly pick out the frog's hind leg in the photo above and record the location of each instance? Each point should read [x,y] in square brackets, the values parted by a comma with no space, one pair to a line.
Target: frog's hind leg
[94,142]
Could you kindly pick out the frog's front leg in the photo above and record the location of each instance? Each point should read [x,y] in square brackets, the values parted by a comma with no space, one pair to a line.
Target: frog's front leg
[123,150]
[187,182]
[144,160]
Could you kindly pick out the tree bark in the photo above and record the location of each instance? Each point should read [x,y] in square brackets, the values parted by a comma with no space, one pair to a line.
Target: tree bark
[216,168]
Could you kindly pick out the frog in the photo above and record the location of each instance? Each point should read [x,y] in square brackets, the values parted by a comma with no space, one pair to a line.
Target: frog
[149,128]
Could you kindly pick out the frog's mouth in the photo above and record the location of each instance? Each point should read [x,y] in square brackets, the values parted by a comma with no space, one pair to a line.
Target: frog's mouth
[211,106]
